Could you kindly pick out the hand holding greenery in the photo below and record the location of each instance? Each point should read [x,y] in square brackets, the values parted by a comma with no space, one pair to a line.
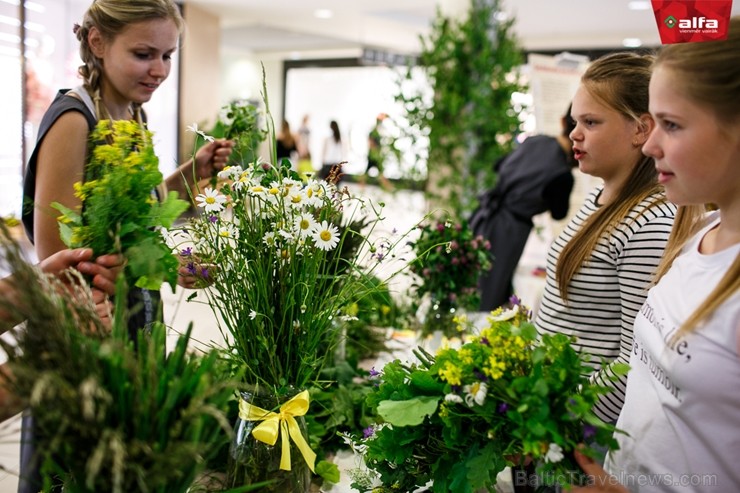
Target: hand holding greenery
[120,213]
[458,418]
[109,416]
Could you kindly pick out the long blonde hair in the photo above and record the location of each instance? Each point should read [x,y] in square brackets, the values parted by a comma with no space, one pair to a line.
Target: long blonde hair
[110,18]
[711,79]
[619,81]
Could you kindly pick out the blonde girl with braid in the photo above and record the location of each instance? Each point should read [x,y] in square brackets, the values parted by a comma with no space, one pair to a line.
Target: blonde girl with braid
[601,265]
[126,48]
[682,407]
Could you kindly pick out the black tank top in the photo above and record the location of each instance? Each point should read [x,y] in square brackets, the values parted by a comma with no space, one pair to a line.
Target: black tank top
[145,306]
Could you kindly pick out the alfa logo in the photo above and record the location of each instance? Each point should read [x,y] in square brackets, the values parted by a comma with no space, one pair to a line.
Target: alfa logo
[670,21]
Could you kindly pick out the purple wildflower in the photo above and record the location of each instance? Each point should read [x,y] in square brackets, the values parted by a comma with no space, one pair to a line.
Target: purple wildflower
[514,300]
[186,252]
[368,432]
[589,431]
[503,407]
[374,372]
[456,389]
[484,341]
[191,268]
[204,273]
[480,375]
[213,219]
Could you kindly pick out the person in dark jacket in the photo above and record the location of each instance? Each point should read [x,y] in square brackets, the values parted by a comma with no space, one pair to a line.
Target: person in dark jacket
[536,177]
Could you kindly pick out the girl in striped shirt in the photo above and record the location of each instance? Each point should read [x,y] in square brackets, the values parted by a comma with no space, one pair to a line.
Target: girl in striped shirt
[601,265]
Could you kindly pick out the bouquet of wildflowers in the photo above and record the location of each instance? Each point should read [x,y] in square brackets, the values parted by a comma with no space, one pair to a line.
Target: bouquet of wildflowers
[278,281]
[120,211]
[459,417]
[449,259]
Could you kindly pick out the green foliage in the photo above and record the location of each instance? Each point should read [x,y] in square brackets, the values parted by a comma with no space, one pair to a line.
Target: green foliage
[459,417]
[473,68]
[449,260]
[239,121]
[119,213]
[109,415]
[338,409]
[368,316]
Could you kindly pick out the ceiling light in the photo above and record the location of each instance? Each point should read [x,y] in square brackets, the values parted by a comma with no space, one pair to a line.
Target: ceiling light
[638,5]
[323,14]
[631,42]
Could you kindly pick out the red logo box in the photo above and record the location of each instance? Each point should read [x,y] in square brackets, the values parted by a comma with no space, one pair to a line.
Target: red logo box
[686,21]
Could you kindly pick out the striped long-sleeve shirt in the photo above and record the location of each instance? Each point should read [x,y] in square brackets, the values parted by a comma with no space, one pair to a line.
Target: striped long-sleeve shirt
[606,293]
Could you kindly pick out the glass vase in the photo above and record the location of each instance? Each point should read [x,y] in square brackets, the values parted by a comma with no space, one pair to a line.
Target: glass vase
[438,321]
[252,461]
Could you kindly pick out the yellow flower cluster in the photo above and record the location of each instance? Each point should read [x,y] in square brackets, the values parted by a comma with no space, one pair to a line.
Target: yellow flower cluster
[500,349]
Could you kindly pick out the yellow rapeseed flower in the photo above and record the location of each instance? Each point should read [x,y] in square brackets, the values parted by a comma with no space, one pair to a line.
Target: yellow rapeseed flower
[451,373]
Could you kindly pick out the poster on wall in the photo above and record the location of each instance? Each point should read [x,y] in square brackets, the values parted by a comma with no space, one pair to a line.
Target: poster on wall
[553,82]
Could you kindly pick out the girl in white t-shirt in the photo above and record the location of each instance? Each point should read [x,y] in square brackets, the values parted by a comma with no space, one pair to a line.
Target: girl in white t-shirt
[682,405]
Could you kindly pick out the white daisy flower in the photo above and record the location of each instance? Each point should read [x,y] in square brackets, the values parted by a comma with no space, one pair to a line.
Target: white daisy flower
[269,239]
[211,200]
[554,453]
[453,398]
[505,315]
[296,199]
[228,231]
[229,172]
[257,190]
[252,315]
[475,393]
[304,225]
[325,235]
[242,180]
[286,234]
[316,191]
[194,128]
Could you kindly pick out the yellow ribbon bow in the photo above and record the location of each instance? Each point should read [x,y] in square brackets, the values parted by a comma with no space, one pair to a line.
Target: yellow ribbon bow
[272,423]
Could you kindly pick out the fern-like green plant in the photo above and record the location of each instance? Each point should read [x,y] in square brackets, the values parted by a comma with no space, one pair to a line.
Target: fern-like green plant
[470,122]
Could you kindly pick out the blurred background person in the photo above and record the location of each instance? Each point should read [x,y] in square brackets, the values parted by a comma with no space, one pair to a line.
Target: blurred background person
[287,145]
[534,178]
[333,153]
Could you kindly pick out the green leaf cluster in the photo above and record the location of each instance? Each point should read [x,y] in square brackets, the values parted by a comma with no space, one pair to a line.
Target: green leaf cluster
[239,121]
[120,212]
[470,121]
[459,417]
[449,260]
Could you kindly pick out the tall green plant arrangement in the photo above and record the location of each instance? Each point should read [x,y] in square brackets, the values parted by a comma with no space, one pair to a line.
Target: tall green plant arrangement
[472,66]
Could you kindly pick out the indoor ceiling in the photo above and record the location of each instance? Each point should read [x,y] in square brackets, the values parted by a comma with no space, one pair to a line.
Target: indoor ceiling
[265,26]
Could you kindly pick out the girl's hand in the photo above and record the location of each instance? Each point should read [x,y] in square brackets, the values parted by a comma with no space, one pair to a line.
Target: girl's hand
[212,157]
[104,272]
[103,307]
[193,275]
[64,259]
[600,480]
